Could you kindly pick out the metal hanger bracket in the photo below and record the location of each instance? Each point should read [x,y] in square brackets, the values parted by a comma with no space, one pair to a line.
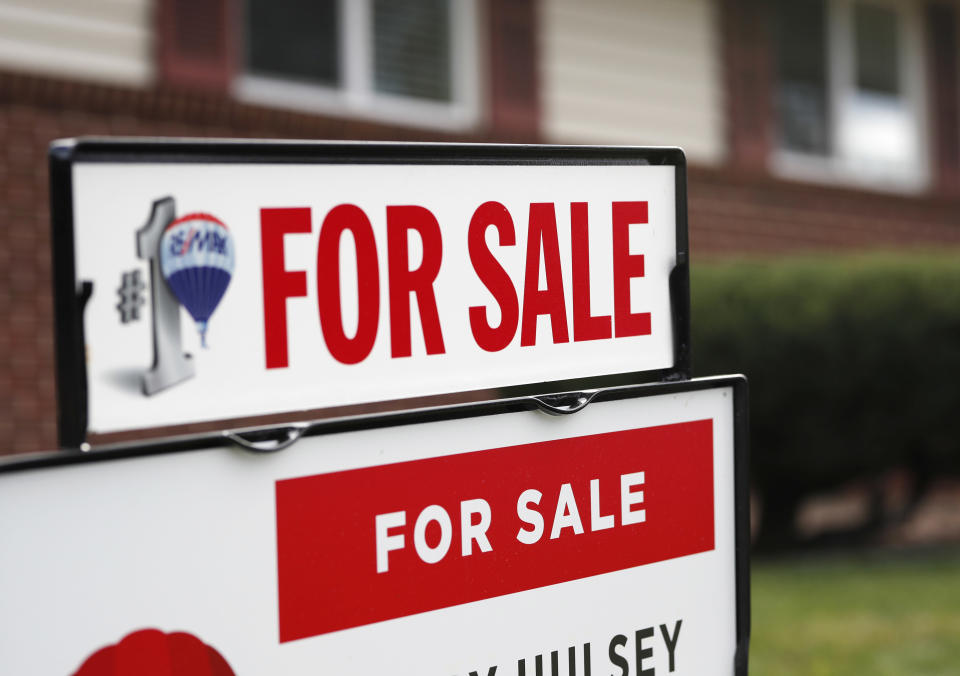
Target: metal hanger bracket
[268,441]
[565,403]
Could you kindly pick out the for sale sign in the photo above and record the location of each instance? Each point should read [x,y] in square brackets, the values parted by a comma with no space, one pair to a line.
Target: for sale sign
[468,540]
[237,280]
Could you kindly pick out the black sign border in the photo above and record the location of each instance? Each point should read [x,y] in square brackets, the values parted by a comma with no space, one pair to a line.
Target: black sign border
[741,439]
[71,294]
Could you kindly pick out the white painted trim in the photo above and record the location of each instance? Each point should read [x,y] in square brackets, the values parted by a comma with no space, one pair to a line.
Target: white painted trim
[276,93]
[834,171]
[356,52]
[464,61]
[358,98]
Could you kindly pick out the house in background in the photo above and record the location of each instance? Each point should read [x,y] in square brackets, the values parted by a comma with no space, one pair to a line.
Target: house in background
[808,124]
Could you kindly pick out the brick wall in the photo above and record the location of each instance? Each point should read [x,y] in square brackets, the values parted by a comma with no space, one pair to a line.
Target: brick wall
[730,213]
[735,213]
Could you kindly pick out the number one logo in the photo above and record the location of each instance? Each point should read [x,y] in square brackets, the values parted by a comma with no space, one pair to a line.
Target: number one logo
[171,364]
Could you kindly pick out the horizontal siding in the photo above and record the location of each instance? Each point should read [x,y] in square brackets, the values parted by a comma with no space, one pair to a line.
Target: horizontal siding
[104,40]
[633,72]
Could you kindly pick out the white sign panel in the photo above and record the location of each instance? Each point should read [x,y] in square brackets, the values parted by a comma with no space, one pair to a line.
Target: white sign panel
[604,542]
[231,289]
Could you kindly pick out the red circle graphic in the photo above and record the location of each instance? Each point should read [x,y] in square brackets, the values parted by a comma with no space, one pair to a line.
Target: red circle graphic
[150,652]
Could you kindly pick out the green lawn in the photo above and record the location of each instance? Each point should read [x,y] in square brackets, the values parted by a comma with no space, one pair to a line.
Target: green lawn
[858,616]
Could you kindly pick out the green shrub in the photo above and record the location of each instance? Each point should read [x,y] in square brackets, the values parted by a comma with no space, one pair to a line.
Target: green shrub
[853,362]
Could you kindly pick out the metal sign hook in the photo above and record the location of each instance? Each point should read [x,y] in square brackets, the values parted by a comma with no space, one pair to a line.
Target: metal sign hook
[565,403]
[268,441]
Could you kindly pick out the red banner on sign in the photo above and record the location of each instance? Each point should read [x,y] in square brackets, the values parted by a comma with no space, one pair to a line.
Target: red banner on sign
[378,543]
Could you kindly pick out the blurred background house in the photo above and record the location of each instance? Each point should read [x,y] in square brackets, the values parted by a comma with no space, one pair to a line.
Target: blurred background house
[809,125]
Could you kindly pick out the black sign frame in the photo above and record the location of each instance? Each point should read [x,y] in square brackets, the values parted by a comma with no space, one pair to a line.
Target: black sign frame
[71,294]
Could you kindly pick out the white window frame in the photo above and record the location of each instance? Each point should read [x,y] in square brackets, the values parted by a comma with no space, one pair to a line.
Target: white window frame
[913,176]
[356,96]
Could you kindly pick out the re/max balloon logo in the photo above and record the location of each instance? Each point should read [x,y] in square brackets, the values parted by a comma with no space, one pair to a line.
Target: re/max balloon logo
[191,262]
[183,241]
[197,259]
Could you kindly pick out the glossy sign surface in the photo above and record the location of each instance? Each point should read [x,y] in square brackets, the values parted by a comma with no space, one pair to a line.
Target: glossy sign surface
[344,284]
